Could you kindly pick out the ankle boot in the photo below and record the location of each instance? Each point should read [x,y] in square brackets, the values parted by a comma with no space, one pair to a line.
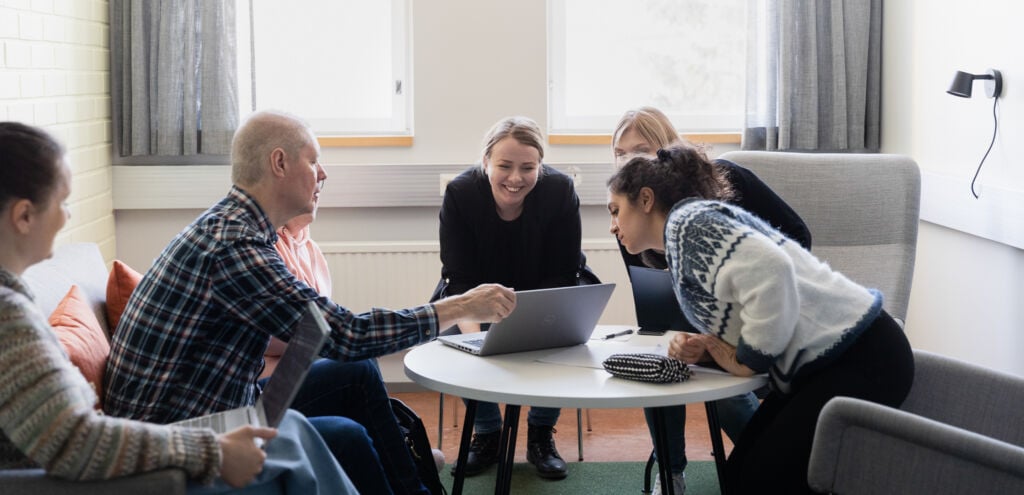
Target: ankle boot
[541,452]
[483,452]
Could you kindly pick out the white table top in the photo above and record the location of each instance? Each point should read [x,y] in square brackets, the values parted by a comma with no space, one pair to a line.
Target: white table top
[519,378]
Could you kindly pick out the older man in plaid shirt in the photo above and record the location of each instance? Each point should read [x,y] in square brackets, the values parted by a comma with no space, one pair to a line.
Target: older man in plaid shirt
[192,337]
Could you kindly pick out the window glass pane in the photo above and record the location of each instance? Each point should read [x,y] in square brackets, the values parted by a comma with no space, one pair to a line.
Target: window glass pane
[685,57]
[340,64]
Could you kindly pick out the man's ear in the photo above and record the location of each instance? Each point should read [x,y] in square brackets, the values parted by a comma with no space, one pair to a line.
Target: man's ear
[21,214]
[646,199]
[277,163]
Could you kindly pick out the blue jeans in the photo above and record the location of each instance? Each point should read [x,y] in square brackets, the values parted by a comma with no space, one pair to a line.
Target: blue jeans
[733,415]
[298,463]
[488,417]
[348,404]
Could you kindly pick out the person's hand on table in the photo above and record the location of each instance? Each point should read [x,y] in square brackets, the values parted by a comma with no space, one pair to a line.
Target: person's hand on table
[688,348]
[725,355]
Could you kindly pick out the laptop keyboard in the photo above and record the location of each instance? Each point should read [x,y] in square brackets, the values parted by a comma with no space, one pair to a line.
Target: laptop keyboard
[214,421]
[476,342]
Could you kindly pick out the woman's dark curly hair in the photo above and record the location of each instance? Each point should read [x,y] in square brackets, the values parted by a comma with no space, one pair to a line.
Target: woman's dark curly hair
[676,173]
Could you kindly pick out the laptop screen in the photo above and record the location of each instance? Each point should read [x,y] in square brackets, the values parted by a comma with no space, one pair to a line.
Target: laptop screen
[656,305]
[542,319]
[302,350]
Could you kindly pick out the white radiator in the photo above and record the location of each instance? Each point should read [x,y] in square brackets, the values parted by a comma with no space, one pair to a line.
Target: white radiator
[403,274]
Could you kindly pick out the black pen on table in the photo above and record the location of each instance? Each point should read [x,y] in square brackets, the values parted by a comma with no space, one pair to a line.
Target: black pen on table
[617,334]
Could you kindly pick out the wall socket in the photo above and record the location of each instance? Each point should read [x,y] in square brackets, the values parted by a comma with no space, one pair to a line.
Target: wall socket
[576,174]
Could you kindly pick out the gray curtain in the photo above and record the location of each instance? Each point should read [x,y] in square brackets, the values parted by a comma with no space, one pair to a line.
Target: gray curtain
[173,77]
[814,75]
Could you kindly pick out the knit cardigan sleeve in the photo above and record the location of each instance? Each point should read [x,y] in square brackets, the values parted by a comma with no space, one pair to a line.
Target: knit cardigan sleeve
[734,279]
[47,416]
[760,281]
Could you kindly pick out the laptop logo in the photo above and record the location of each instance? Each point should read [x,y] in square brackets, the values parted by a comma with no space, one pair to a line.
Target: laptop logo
[549,320]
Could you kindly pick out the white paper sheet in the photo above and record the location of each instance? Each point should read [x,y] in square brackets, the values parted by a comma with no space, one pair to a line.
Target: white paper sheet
[592,354]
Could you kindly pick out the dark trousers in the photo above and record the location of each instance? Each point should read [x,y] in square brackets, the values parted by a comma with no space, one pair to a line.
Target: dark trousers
[348,404]
[774,450]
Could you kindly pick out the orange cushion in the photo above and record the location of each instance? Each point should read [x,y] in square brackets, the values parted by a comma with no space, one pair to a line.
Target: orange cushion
[120,284]
[82,336]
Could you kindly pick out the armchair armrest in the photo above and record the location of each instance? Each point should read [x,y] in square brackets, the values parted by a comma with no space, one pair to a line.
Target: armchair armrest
[862,447]
[36,482]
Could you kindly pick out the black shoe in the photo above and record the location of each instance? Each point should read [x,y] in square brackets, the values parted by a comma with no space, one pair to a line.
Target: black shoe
[541,452]
[483,452]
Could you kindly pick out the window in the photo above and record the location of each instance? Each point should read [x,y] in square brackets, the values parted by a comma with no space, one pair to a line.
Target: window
[685,57]
[343,65]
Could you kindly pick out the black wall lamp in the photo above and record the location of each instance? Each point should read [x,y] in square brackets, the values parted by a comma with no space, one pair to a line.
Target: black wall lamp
[963,82]
[961,86]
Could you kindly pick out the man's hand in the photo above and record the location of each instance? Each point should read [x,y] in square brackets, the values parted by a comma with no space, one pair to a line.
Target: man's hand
[486,303]
[469,327]
[241,459]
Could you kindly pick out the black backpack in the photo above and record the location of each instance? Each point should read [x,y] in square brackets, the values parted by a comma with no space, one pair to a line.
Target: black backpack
[419,446]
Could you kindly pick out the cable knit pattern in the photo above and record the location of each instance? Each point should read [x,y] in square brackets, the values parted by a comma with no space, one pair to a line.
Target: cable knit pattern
[786,312]
[47,417]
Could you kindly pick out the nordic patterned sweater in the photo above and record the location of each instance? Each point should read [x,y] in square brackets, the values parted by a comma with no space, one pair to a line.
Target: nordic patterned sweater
[786,312]
[46,410]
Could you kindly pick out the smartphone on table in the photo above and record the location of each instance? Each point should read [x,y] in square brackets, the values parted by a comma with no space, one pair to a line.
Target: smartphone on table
[651,331]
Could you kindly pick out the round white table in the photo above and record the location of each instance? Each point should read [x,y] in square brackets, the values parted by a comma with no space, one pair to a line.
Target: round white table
[562,377]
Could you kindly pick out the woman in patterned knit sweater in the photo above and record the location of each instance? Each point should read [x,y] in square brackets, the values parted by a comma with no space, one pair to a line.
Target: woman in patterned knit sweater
[764,305]
[640,132]
[46,406]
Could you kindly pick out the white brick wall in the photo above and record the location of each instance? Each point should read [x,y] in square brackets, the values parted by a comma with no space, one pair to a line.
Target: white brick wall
[55,73]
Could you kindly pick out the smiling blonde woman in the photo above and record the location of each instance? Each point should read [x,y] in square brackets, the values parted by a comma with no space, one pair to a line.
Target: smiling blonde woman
[514,221]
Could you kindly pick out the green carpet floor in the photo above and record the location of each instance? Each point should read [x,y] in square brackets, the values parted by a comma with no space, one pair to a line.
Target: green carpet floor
[589,478]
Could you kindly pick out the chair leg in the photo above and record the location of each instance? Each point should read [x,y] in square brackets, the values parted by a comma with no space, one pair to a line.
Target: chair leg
[588,421]
[579,431]
[440,421]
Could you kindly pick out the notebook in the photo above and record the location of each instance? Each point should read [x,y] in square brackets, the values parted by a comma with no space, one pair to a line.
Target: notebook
[542,319]
[657,308]
[277,396]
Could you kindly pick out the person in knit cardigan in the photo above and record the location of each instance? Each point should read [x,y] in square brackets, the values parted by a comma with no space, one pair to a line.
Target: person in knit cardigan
[47,415]
[763,304]
[642,131]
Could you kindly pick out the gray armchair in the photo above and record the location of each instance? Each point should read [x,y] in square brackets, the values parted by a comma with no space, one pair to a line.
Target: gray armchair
[862,210]
[959,431]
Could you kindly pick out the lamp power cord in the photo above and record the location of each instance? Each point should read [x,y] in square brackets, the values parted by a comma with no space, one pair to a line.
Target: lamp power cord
[995,127]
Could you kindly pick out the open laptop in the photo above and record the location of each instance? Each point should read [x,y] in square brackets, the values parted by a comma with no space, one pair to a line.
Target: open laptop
[657,308]
[543,319]
[277,396]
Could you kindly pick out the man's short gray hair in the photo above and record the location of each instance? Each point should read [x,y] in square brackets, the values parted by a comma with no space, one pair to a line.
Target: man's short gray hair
[258,136]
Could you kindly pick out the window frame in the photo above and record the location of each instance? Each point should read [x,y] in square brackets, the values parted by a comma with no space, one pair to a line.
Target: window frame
[350,132]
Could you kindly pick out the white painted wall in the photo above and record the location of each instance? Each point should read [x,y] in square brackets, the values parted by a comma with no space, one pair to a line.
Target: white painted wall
[968,290]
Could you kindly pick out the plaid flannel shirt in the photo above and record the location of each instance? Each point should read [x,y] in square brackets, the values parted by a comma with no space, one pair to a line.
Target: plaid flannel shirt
[192,337]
